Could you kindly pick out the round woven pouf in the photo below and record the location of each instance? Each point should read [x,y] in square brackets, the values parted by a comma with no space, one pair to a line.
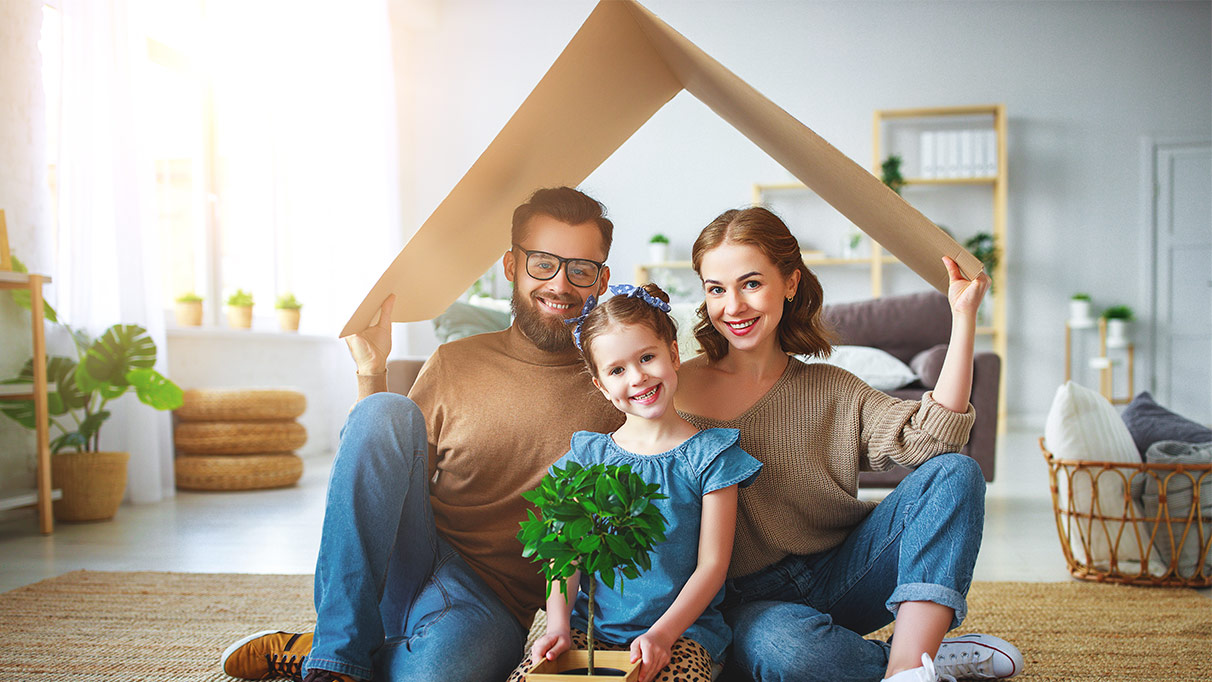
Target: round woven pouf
[238,472]
[225,405]
[239,438]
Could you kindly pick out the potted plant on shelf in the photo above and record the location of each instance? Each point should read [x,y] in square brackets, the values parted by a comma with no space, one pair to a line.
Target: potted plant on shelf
[1079,311]
[189,310]
[658,248]
[598,520]
[119,361]
[891,176]
[1117,317]
[239,310]
[288,308]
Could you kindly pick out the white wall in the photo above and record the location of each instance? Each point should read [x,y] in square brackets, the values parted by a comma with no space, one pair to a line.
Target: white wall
[1082,82]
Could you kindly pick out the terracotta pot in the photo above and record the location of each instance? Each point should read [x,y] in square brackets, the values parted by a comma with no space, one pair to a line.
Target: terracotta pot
[560,670]
[239,316]
[288,319]
[189,314]
[93,484]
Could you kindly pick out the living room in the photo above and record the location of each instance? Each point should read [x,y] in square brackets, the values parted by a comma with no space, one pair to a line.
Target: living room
[362,121]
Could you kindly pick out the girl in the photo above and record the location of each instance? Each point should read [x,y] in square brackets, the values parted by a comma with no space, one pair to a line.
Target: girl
[814,568]
[669,616]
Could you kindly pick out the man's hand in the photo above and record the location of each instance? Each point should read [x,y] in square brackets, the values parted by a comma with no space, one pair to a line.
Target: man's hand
[371,346]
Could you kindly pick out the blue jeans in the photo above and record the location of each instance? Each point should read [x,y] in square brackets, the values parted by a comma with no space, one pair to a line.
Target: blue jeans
[804,617]
[393,600]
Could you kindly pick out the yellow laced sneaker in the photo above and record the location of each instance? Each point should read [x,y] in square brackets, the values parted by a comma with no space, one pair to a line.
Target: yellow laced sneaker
[267,654]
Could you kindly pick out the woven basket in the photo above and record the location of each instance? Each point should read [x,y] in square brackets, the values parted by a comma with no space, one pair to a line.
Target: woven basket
[238,438]
[238,472]
[93,484]
[215,405]
[1095,539]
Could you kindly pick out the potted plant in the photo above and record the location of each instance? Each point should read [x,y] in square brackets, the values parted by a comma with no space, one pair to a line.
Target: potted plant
[239,310]
[658,248]
[189,310]
[104,369]
[1117,317]
[892,173]
[288,308]
[1079,311]
[598,520]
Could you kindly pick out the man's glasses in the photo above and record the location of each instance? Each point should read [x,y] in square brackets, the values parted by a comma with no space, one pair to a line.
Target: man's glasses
[543,266]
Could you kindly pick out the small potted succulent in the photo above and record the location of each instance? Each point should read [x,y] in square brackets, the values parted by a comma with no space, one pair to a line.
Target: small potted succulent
[658,248]
[598,520]
[189,310]
[239,310]
[1117,317]
[1079,311]
[288,308]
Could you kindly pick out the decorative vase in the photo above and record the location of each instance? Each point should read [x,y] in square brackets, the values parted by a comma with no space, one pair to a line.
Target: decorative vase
[1079,313]
[1117,333]
[288,319]
[92,484]
[564,668]
[658,252]
[189,313]
[239,316]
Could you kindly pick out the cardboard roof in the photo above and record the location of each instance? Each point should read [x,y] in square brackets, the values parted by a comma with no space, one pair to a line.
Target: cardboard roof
[622,66]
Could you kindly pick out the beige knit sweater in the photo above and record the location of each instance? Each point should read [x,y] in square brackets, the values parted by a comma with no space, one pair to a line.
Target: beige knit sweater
[813,431]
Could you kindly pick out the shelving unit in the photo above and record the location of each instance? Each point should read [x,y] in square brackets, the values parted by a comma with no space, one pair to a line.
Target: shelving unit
[43,494]
[1103,362]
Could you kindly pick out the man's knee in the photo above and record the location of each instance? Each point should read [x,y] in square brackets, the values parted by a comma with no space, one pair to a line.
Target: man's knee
[777,640]
[387,422]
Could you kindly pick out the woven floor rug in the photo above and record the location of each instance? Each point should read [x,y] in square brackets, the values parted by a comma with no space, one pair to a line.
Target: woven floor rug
[86,626]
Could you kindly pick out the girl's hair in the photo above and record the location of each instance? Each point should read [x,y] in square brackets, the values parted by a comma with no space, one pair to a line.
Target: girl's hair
[802,329]
[621,310]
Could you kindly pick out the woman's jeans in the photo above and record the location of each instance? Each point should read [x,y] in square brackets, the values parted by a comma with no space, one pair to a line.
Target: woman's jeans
[804,617]
[393,600]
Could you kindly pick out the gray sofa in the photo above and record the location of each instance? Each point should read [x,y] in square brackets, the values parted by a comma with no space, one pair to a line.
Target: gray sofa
[914,328]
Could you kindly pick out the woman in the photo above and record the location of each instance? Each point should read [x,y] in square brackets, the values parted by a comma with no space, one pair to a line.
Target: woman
[814,568]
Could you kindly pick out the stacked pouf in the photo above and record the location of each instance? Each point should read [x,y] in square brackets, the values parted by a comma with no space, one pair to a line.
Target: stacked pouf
[239,439]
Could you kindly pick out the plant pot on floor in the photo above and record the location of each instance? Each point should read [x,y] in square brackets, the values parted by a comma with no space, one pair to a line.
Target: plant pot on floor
[189,314]
[93,484]
[554,671]
[239,316]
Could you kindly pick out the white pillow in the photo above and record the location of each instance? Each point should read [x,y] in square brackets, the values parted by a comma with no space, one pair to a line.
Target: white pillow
[876,367]
[1082,425]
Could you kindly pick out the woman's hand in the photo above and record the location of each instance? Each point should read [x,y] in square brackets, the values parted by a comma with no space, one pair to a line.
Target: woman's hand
[653,649]
[550,646]
[371,346]
[965,294]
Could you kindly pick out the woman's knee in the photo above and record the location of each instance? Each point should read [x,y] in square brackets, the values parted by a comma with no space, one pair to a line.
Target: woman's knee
[957,470]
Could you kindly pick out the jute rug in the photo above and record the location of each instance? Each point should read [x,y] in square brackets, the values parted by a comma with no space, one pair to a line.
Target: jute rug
[172,626]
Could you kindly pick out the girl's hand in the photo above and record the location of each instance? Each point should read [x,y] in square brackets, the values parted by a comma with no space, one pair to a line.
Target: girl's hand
[653,650]
[964,294]
[550,646]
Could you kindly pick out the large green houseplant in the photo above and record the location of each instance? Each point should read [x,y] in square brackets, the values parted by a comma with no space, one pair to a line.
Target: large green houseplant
[119,361]
[598,520]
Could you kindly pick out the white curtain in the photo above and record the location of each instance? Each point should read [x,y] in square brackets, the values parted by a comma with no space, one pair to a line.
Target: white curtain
[108,251]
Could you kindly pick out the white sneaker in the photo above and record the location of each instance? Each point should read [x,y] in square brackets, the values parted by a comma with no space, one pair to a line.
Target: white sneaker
[978,657]
[926,673]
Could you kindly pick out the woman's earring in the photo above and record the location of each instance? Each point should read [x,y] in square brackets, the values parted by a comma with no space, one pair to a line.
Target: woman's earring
[790,299]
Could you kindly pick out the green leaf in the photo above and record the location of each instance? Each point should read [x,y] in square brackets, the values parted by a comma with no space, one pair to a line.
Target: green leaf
[22,297]
[608,578]
[588,543]
[155,389]
[120,349]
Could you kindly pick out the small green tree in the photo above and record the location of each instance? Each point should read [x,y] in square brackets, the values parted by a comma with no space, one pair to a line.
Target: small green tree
[598,520]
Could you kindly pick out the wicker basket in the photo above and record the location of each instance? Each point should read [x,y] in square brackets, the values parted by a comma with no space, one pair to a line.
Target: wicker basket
[238,438]
[1096,540]
[238,472]
[213,405]
[93,484]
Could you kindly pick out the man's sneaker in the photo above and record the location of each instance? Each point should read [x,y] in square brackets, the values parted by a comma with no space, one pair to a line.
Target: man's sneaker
[267,654]
[978,657]
[926,673]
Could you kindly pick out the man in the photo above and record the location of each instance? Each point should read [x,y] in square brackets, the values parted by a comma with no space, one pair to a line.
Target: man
[420,575]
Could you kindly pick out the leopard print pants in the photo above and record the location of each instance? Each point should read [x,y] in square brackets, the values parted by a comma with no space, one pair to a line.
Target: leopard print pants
[688,660]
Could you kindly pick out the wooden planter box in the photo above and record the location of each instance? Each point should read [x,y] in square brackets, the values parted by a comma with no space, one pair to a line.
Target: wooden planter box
[550,671]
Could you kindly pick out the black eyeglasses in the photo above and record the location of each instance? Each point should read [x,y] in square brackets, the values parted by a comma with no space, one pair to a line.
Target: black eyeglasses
[580,272]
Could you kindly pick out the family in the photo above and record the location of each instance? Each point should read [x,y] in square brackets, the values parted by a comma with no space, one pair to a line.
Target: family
[773,569]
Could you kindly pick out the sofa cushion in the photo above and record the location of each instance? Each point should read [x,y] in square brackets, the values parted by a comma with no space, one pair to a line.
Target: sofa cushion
[901,325]
[872,365]
[1149,423]
[928,364]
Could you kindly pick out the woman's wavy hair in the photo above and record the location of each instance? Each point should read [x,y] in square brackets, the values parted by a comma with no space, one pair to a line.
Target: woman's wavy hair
[802,329]
[625,311]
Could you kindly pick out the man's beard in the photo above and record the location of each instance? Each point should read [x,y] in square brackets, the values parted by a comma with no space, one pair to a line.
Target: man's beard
[551,334]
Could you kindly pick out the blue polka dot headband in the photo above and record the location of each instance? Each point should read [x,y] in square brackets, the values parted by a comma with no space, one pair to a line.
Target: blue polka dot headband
[628,290]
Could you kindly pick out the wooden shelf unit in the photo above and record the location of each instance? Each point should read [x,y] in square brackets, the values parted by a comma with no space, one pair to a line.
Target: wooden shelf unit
[43,496]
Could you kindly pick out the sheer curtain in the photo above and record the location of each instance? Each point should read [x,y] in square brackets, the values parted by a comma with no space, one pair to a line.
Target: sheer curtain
[107,234]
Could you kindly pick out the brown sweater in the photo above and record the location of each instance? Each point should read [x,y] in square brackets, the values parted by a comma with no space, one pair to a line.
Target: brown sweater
[813,431]
[498,412]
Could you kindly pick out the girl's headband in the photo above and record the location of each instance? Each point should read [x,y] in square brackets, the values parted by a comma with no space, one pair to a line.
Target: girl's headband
[628,290]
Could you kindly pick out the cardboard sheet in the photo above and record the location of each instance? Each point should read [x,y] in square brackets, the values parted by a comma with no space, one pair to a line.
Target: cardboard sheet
[620,68]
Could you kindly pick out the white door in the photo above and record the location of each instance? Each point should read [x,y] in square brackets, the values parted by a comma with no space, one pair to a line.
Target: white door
[1182,229]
